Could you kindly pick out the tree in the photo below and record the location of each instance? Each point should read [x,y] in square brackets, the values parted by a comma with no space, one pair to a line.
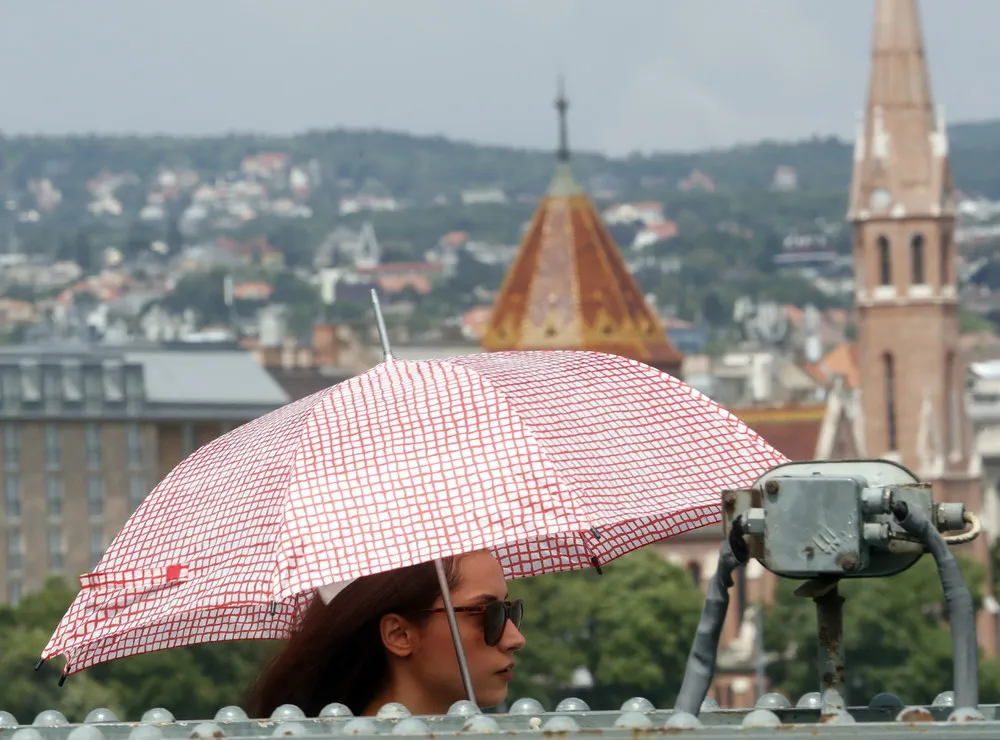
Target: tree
[24,632]
[895,637]
[631,629]
[192,682]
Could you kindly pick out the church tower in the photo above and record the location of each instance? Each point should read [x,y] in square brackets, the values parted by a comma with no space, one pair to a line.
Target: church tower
[903,213]
[902,210]
[569,287]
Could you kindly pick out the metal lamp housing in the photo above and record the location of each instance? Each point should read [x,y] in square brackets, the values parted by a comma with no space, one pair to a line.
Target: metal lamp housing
[826,519]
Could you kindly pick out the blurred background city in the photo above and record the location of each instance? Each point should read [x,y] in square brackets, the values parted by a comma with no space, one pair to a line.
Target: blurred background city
[786,204]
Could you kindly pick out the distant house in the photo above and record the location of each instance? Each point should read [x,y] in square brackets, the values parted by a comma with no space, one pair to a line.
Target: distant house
[655,233]
[478,196]
[646,212]
[358,203]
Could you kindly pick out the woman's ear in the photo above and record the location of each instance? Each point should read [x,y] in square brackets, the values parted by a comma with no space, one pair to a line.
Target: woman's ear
[397,635]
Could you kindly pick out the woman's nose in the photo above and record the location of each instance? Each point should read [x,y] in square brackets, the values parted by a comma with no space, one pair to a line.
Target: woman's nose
[512,638]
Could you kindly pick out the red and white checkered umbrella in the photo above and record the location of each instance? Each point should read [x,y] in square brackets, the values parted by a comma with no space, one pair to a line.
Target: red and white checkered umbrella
[555,460]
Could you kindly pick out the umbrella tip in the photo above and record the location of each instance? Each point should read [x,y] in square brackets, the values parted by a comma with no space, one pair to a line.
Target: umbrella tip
[383,333]
[62,679]
[40,663]
[597,566]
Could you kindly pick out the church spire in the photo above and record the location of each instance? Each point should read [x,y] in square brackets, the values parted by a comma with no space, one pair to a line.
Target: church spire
[901,163]
[562,105]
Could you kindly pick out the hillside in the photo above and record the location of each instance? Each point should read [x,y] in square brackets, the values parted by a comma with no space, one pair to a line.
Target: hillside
[420,168]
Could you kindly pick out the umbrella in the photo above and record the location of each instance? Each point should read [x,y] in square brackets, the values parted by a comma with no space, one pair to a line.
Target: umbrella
[554,460]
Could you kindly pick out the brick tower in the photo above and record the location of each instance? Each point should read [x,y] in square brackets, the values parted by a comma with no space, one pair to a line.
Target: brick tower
[902,210]
[569,287]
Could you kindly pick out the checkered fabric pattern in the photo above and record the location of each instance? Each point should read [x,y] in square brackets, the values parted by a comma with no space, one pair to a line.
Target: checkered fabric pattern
[555,460]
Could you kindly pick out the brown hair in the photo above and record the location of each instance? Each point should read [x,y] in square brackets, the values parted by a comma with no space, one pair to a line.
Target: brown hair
[336,652]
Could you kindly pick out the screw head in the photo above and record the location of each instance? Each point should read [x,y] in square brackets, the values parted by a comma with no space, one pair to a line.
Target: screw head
[771,487]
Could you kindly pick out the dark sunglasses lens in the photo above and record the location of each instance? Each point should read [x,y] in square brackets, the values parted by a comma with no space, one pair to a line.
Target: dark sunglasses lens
[517,613]
[495,619]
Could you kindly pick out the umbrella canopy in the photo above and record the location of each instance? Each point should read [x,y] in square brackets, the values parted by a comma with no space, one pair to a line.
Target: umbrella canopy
[554,460]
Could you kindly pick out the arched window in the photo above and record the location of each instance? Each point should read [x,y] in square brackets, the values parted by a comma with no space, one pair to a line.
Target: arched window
[884,262]
[890,401]
[917,258]
[945,259]
[952,401]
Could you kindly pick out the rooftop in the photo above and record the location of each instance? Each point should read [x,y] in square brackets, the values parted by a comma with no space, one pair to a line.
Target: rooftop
[79,380]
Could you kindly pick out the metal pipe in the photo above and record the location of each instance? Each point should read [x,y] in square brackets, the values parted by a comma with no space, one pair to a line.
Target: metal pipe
[700,668]
[830,629]
[961,612]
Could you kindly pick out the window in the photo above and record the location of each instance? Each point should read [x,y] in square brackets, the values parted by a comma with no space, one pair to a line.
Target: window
[11,445]
[14,548]
[134,446]
[890,400]
[96,544]
[136,492]
[11,389]
[13,592]
[95,495]
[12,495]
[945,259]
[53,451]
[884,261]
[56,561]
[953,406]
[189,440]
[92,432]
[92,389]
[54,496]
[917,258]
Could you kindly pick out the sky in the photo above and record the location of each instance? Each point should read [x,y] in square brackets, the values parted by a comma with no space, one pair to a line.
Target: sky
[641,75]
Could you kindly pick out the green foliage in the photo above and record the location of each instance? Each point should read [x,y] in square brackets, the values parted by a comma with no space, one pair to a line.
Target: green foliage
[630,628]
[191,682]
[895,637]
[970,322]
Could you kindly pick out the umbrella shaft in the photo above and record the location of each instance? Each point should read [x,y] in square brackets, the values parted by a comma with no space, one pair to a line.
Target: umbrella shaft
[456,637]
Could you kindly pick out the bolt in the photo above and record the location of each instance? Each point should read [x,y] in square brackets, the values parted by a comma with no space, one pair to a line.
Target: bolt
[771,487]
[848,561]
[809,551]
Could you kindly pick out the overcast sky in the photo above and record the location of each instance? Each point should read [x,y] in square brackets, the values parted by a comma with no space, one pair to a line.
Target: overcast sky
[641,74]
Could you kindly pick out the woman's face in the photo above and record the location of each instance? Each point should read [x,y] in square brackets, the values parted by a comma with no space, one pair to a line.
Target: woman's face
[481,581]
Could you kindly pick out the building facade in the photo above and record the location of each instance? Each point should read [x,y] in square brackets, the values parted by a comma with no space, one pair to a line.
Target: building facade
[85,435]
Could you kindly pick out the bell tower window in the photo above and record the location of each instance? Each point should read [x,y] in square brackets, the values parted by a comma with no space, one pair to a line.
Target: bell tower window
[917,259]
[945,258]
[884,262]
[890,401]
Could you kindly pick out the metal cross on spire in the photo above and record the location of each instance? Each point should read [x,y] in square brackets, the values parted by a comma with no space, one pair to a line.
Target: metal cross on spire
[562,105]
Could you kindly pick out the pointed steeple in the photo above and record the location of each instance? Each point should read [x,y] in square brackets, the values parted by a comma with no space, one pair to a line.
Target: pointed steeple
[569,287]
[901,153]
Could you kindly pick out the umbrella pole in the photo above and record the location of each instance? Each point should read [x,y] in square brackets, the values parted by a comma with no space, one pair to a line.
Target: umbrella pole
[449,608]
[456,637]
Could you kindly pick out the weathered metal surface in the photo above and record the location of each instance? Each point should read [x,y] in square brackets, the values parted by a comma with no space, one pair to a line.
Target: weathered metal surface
[886,717]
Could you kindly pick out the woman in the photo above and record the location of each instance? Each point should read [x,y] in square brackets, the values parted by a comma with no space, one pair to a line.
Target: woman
[385,638]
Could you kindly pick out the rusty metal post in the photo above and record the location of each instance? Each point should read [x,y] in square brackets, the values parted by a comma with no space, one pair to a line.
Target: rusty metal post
[830,623]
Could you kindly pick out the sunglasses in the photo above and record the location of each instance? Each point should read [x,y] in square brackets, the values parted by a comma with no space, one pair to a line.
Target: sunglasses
[496,614]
